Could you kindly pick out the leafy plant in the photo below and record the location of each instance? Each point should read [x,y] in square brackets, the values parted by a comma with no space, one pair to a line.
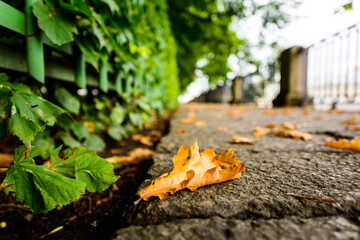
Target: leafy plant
[41,188]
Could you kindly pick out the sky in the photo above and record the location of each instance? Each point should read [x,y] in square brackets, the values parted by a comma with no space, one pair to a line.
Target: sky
[312,21]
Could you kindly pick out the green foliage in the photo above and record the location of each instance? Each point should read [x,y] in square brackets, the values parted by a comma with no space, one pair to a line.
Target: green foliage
[41,189]
[202,32]
[25,113]
[64,181]
[67,100]
[131,39]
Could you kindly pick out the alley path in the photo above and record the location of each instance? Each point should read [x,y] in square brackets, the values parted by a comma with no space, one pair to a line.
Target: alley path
[264,202]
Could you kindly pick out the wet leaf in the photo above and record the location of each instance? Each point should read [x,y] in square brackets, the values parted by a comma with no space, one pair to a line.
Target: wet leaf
[353,145]
[202,169]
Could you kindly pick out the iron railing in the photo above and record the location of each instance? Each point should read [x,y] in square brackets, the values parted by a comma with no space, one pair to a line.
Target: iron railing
[333,68]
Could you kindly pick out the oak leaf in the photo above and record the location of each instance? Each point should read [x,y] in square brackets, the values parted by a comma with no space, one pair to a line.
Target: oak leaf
[201,169]
[353,145]
[243,140]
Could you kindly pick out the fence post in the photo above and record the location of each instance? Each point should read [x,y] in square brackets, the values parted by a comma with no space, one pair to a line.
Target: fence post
[238,89]
[34,45]
[293,77]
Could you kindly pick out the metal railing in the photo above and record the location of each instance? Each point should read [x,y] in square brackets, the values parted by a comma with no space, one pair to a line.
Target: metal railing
[333,68]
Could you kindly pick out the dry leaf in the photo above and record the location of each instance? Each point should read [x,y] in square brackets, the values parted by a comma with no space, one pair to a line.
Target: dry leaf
[353,145]
[90,125]
[202,169]
[181,131]
[326,139]
[285,126]
[350,121]
[200,124]
[190,118]
[294,134]
[356,128]
[269,112]
[222,128]
[233,113]
[135,157]
[244,140]
[259,131]
[146,140]
[317,198]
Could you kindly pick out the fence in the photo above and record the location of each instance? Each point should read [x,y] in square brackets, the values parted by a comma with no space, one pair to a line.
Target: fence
[333,68]
[34,61]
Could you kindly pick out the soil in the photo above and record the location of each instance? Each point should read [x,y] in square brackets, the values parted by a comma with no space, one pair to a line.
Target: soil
[94,215]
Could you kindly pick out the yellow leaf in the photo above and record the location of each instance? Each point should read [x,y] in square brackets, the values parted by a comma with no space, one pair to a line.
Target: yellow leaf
[353,145]
[244,140]
[259,131]
[350,121]
[294,134]
[202,169]
[135,157]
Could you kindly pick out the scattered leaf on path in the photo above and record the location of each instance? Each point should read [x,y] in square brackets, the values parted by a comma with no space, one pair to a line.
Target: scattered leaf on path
[326,139]
[243,140]
[294,134]
[190,118]
[353,145]
[202,169]
[181,131]
[259,131]
[222,128]
[317,198]
[286,126]
[200,124]
[350,121]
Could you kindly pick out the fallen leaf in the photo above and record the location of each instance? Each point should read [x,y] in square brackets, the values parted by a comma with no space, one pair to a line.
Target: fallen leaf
[190,118]
[355,128]
[326,139]
[90,125]
[294,134]
[136,156]
[202,169]
[269,112]
[259,131]
[115,150]
[200,124]
[233,113]
[243,140]
[285,126]
[181,131]
[350,121]
[317,198]
[353,145]
[222,128]
[146,140]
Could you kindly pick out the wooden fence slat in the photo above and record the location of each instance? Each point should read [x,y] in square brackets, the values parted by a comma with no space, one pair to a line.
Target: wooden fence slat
[34,45]
[104,80]
[12,18]
[80,70]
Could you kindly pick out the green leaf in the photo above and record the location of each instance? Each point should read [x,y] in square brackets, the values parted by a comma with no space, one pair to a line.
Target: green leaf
[117,115]
[57,26]
[112,5]
[135,119]
[95,143]
[29,114]
[68,140]
[117,132]
[36,151]
[44,139]
[23,128]
[89,168]
[80,130]
[41,188]
[54,156]
[67,100]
